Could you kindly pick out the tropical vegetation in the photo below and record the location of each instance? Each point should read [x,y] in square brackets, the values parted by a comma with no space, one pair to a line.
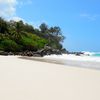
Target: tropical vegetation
[19,36]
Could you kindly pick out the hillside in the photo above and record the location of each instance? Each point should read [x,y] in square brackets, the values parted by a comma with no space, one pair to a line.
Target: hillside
[21,37]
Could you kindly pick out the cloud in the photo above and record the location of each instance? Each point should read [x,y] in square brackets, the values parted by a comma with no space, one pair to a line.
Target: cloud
[89,16]
[16,18]
[7,8]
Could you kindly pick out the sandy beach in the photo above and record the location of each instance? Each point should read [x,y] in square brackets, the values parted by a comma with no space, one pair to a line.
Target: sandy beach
[22,79]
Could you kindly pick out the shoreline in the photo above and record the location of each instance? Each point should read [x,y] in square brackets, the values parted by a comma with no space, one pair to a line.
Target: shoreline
[67,62]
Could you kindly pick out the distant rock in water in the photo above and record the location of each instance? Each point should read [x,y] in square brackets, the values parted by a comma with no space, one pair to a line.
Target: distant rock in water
[77,53]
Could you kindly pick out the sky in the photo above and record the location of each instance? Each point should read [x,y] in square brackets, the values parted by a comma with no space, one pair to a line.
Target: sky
[79,20]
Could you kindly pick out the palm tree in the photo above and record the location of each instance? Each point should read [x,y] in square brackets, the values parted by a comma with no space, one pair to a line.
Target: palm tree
[3,26]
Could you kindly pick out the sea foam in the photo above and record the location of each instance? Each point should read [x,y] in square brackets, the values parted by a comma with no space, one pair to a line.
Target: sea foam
[74,57]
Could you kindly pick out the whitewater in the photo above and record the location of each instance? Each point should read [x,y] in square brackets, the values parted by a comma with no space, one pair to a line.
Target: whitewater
[82,61]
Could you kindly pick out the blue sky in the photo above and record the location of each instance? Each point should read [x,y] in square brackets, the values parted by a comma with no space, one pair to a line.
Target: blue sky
[78,19]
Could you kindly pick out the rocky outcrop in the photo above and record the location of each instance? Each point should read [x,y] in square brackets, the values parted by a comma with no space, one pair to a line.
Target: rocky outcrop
[3,53]
[47,50]
[77,53]
[64,51]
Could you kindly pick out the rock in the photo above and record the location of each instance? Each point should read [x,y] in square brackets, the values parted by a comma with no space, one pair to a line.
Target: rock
[48,51]
[4,53]
[10,53]
[29,53]
[79,53]
[64,51]
[41,52]
[47,48]
[37,55]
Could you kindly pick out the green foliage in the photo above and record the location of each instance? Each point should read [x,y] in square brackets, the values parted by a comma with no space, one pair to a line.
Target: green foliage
[9,45]
[32,42]
[3,26]
[43,27]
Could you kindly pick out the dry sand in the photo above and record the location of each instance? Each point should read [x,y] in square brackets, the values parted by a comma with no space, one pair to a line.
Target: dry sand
[22,79]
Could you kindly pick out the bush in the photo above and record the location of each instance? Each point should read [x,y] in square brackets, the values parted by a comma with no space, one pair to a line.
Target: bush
[9,45]
[32,42]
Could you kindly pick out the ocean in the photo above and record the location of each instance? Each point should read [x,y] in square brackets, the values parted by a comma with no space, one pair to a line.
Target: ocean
[92,54]
[96,55]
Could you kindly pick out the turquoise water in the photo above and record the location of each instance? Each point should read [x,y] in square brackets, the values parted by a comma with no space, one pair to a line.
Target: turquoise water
[93,54]
[96,55]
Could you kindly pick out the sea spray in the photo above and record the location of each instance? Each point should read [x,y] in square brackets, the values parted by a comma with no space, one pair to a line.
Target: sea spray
[91,58]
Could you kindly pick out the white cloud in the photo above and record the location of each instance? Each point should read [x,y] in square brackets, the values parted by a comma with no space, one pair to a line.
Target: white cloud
[17,19]
[7,8]
[8,1]
[89,16]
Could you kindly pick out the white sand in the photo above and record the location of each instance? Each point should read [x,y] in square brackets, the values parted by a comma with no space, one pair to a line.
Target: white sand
[31,80]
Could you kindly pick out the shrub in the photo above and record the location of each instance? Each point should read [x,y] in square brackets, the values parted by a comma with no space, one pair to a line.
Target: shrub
[32,42]
[9,45]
